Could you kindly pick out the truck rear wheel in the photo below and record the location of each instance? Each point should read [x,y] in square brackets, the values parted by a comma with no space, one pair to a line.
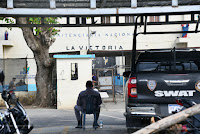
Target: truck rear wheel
[133,122]
[131,130]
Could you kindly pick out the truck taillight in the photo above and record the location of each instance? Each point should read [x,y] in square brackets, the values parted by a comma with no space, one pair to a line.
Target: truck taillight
[132,88]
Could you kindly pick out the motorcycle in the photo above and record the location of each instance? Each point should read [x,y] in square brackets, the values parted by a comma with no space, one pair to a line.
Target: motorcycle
[192,124]
[15,118]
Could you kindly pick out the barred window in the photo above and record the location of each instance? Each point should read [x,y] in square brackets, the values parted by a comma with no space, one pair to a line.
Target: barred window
[154,18]
[74,71]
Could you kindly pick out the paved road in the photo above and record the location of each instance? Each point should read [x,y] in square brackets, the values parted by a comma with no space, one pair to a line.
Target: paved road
[108,129]
[53,121]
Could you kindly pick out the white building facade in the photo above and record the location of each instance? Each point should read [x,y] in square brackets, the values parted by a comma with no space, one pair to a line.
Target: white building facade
[106,39]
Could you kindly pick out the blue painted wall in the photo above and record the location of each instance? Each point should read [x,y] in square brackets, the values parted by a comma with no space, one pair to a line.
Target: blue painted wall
[32,87]
[118,80]
[18,88]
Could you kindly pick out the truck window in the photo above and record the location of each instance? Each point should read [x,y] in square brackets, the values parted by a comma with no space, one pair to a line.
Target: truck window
[190,66]
[165,67]
[147,66]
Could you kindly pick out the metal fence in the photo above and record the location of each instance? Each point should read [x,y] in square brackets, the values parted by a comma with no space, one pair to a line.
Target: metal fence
[110,77]
[15,68]
[24,70]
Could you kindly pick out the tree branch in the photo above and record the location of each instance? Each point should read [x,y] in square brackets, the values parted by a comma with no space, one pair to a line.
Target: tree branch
[28,34]
[46,36]
[170,120]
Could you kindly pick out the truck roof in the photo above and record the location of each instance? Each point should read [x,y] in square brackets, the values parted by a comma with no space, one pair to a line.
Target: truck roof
[168,55]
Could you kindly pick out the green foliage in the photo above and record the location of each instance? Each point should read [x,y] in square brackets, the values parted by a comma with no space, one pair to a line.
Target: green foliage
[37,20]
[55,31]
[47,20]
[51,20]
[7,20]
[38,31]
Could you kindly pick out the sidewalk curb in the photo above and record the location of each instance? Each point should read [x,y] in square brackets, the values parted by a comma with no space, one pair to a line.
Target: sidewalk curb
[90,129]
[107,129]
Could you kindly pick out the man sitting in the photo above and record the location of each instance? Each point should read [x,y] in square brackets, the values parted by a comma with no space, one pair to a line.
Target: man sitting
[78,108]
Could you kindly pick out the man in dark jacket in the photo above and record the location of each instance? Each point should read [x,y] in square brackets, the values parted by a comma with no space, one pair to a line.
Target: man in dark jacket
[78,106]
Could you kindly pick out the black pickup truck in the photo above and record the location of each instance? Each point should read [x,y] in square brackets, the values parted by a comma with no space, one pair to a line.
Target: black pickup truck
[161,77]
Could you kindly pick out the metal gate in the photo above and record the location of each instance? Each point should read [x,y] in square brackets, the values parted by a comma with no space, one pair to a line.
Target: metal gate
[106,80]
[15,68]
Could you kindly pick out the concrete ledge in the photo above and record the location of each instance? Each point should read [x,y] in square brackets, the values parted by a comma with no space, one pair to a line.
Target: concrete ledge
[26,98]
[181,40]
[74,56]
[6,43]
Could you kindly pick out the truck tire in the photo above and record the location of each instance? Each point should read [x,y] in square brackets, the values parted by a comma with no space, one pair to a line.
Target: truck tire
[133,122]
[131,130]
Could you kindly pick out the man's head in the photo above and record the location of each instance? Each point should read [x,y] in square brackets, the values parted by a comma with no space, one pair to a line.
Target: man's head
[89,84]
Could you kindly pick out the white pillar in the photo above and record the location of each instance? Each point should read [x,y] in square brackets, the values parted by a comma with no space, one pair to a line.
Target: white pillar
[1,51]
[174,3]
[134,3]
[9,3]
[92,3]
[52,4]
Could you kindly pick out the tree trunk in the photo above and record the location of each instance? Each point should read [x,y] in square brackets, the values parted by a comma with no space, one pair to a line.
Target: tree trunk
[170,120]
[39,44]
[43,83]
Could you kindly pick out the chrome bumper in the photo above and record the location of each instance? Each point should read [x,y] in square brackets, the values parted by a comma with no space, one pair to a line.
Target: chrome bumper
[141,110]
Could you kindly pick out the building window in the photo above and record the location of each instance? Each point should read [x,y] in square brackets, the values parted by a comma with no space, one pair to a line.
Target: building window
[105,20]
[154,18]
[130,19]
[74,71]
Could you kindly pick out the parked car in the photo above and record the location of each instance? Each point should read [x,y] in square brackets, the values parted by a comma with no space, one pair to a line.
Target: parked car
[161,76]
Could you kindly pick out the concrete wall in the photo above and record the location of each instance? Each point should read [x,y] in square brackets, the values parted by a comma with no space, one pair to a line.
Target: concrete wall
[105,38]
[67,89]
[16,47]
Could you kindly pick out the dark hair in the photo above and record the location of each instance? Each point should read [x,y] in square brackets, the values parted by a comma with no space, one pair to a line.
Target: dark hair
[89,84]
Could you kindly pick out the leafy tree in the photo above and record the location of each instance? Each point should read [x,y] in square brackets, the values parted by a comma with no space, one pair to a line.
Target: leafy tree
[39,43]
